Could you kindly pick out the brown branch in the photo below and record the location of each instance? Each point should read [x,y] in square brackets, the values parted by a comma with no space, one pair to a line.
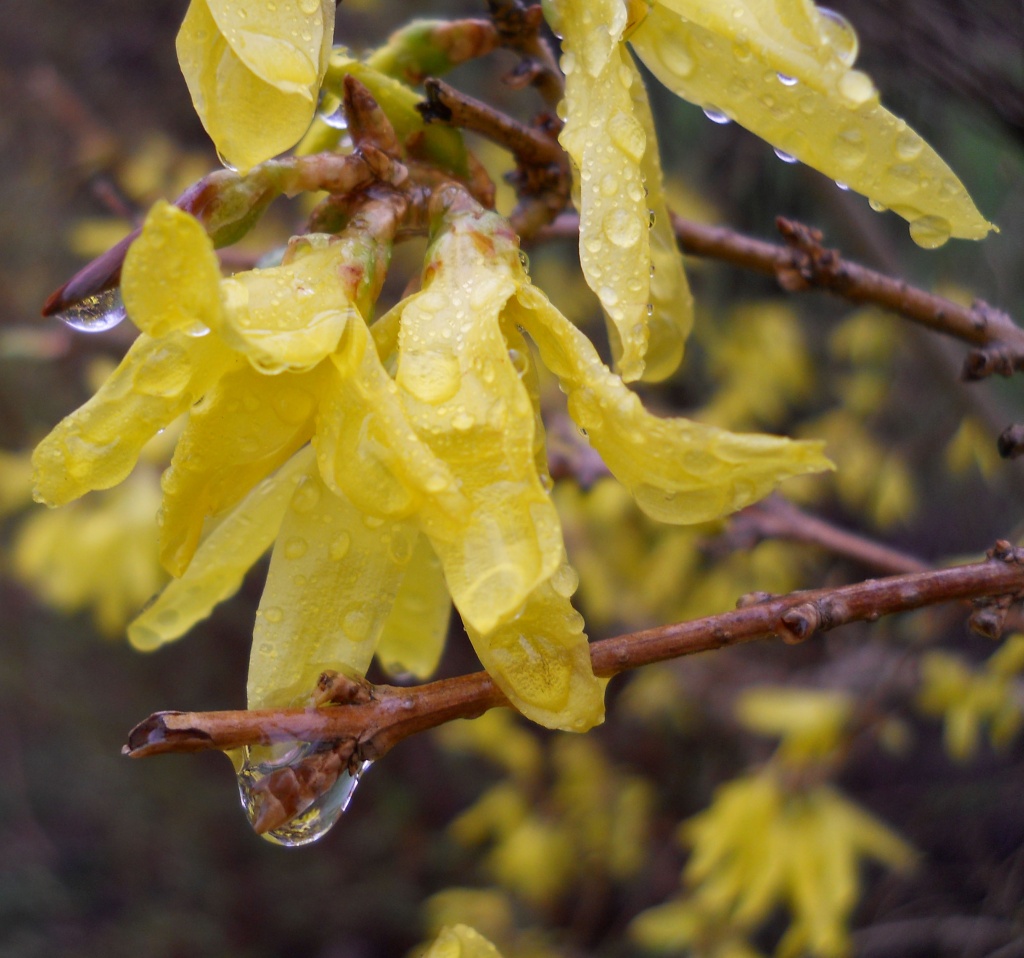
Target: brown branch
[378,717]
[520,28]
[775,518]
[803,264]
[447,105]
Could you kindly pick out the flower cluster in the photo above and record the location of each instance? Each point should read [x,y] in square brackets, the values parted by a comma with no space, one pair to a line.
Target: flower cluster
[395,462]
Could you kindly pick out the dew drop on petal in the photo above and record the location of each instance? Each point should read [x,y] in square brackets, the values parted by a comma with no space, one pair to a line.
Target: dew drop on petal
[908,145]
[930,232]
[95,314]
[622,227]
[784,156]
[716,116]
[787,80]
[876,206]
[857,88]
[843,186]
[840,35]
[223,162]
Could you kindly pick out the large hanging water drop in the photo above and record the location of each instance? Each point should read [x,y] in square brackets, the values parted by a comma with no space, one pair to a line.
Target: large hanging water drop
[306,790]
[95,314]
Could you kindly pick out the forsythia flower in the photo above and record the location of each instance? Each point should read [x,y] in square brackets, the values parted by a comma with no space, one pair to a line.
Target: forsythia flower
[461,941]
[760,845]
[429,475]
[781,68]
[970,698]
[254,72]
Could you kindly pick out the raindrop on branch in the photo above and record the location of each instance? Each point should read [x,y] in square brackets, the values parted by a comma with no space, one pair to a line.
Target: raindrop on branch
[95,314]
[310,781]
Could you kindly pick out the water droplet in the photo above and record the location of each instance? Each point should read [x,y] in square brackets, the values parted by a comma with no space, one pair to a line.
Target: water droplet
[295,547]
[565,581]
[876,206]
[306,497]
[840,35]
[628,135]
[273,615]
[335,118]
[309,7]
[267,790]
[857,88]
[850,148]
[519,362]
[652,218]
[843,186]
[787,80]
[340,546]
[225,163]
[95,314]
[930,232]
[908,145]
[716,116]
[524,261]
[622,227]
[672,49]
[462,422]
[784,156]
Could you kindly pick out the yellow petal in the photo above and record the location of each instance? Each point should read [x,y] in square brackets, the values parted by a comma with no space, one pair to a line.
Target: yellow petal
[829,118]
[541,661]
[332,581]
[222,559]
[292,316]
[678,471]
[254,72]
[366,447]
[98,444]
[241,430]
[670,316]
[461,941]
[171,276]
[606,143]
[415,632]
[465,400]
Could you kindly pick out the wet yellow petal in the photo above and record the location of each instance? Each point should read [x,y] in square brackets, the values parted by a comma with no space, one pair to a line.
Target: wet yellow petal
[222,559]
[292,316]
[678,471]
[606,143]
[240,431]
[461,941]
[464,398]
[171,276]
[671,304]
[727,56]
[254,71]
[366,447]
[414,634]
[540,659]
[98,444]
[332,581]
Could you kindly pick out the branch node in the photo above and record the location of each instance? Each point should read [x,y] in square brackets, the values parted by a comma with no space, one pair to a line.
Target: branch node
[1011,441]
[800,623]
[989,616]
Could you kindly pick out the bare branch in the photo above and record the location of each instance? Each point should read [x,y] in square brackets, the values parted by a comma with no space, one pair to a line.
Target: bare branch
[376,718]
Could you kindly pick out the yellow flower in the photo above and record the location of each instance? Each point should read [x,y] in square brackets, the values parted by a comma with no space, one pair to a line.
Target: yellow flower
[461,941]
[760,845]
[968,699]
[254,72]
[781,68]
[427,462]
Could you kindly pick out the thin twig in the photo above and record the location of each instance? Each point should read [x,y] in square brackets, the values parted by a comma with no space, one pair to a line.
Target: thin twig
[521,30]
[803,263]
[382,716]
[776,518]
